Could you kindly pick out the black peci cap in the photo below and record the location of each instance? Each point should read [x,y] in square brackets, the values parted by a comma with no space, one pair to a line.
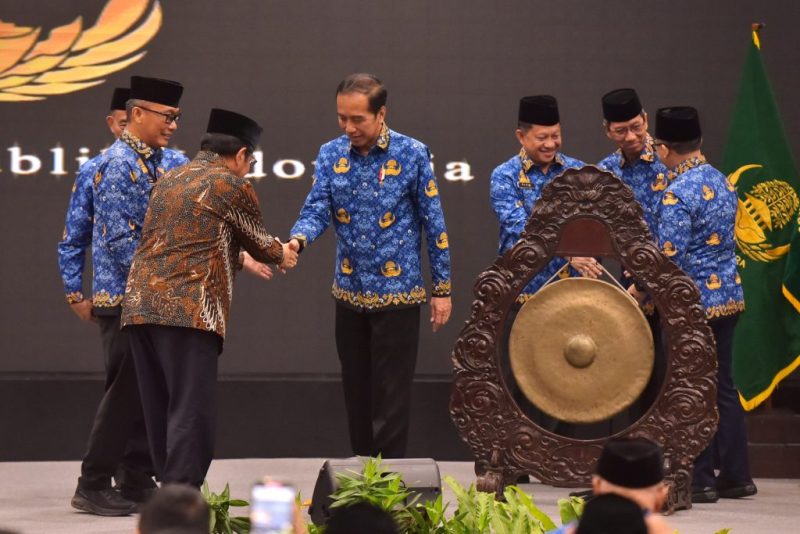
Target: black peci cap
[119,98]
[165,92]
[226,122]
[621,105]
[539,109]
[631,463]
[677,124]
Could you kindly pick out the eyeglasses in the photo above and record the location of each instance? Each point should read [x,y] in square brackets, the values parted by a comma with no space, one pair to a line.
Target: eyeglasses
[635,129]
[169,118]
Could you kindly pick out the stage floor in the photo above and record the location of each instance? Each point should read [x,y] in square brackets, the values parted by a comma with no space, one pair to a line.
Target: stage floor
[34,498]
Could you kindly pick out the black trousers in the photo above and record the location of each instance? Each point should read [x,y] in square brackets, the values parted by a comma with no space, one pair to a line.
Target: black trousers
[378,354]
[118,441]
[729,444]
[177,370]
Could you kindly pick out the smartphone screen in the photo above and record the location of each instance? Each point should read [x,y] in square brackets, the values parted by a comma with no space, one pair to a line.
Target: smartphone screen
[271,508]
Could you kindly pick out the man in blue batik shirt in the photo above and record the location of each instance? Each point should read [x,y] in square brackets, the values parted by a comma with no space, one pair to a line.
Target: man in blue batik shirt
[635,161]
[517,184]
[696,230]
[122,180]
[80,217]
[378,188]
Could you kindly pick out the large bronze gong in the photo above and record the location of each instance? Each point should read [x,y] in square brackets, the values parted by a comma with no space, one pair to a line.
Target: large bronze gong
[581,350]
[582,212]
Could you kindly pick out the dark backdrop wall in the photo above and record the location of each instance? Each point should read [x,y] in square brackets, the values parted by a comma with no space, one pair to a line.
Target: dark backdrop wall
[455,70]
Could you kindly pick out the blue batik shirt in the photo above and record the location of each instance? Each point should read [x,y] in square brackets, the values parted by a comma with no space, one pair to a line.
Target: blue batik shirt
[77,234]
[124,177]
[515,187]
[696,230]
[379,205]
[647,177]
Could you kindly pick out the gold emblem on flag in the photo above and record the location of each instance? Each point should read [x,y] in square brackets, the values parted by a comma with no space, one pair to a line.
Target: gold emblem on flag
[767,206]
[72,58]
[708,193]
[346,267]
[442,242]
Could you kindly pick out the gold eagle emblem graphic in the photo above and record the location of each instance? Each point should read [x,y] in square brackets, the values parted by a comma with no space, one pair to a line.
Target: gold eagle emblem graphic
[387,220]
[390,269]
[708,193]
[392,168]
[341,166]
[431,190]
[669,249]
[713,282]
[346,267]
[769,205]
[72,58]
[660,183]
[713,240]
[669,199]
[342,216]
[442,242]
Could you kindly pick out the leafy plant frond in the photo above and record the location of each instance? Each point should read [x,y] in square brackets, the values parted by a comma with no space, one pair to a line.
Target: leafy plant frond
[221,522]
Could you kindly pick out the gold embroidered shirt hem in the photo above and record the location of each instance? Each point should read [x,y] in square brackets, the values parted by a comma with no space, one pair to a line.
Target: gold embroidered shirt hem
[732,307]
[373,301]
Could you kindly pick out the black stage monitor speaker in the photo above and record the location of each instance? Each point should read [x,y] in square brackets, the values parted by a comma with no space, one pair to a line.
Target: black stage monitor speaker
[420,475]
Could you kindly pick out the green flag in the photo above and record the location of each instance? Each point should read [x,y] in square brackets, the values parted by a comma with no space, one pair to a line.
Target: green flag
[759,164]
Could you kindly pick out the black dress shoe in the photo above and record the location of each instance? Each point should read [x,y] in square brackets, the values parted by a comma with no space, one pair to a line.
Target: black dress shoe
[704,494]
[105,502]
[736,490]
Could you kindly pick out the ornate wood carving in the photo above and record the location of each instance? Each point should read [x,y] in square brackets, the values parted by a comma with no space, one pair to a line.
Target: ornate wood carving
[576,212]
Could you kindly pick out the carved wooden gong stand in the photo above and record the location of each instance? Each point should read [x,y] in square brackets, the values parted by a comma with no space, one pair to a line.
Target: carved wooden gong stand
[583,212]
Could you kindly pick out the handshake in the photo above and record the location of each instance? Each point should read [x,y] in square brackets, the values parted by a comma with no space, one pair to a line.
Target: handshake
[290,252]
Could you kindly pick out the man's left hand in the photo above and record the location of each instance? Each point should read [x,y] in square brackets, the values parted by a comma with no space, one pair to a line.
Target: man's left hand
[440,311]
[588,267]
[256,268]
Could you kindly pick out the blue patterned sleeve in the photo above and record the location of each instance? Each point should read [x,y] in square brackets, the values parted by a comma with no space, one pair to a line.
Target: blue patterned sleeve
[116,197]
[315,215]
[507,206]
[429,206]
[77,233]
[674,227]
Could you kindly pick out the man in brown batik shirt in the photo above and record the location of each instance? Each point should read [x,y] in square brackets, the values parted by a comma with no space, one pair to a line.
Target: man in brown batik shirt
[201,220]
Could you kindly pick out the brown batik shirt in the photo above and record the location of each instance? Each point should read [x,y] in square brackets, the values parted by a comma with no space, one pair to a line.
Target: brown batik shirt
[200,218]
